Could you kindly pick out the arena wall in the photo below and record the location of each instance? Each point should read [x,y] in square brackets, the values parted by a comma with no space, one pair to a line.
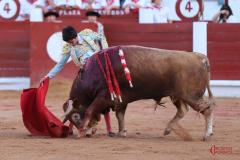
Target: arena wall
[14,55]
[25,49]
[221,44]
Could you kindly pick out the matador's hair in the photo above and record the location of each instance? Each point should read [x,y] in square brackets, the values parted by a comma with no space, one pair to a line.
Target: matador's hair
[68,33]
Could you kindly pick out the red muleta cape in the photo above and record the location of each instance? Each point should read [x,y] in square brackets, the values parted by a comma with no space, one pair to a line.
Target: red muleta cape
[36,117]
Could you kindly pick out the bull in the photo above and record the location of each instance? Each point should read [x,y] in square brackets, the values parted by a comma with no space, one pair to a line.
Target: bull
[156,73]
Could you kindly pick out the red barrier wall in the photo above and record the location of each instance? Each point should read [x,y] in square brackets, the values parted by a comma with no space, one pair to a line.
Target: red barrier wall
[224,51]
[176,36]
[168,36]
[14,49]
[17,42]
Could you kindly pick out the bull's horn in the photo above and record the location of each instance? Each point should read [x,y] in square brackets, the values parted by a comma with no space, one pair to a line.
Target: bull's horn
[69,109]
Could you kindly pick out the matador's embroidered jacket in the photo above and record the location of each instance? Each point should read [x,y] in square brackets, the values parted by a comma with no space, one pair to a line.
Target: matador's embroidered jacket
[87,46]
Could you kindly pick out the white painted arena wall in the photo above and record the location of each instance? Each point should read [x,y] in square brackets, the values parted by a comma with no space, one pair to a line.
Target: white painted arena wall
[220,88]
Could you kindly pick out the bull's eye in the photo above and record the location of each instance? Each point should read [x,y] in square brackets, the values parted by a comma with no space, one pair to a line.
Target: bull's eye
[75,117]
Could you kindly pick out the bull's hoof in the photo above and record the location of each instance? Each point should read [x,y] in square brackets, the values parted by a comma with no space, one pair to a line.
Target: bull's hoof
[81,133]
[122,133]
[88,132]
[167,131]
[88,135]
[111,134]
[207,137]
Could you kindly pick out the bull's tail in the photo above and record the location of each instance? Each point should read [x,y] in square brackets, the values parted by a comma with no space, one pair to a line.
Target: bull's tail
[210,95]
[212,102]
[207,65]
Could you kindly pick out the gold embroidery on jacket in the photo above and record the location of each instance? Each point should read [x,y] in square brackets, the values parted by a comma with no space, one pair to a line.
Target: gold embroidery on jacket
[87,43]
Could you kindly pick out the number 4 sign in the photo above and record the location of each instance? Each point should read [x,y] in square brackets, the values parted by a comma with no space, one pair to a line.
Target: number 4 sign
[9,9]
[189,10]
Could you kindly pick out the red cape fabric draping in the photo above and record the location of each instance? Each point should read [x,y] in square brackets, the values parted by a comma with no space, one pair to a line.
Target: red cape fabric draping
[36,117]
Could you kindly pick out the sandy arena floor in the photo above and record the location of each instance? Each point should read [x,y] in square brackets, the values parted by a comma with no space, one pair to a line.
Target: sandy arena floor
[145,140]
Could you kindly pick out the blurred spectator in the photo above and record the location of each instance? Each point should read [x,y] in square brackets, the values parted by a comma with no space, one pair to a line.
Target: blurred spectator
[28,7]
[68,4]
[51,16]
[51,4]
[121,3]
[92,4]
[161,13]
[133,5]
[92,17]
[110,4]
[221,2]
[225,15]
